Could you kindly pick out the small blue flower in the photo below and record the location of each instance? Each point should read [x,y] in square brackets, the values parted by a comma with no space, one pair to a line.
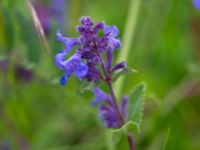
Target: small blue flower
[73,65]
[63,80]
[69,43]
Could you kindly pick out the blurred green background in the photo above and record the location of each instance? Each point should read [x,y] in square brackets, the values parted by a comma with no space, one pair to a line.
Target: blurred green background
[163,42]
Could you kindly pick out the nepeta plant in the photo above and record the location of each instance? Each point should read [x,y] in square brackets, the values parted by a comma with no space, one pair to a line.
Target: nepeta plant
[93,62]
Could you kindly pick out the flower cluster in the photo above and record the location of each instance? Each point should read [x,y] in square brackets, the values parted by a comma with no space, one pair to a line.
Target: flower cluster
[91,47]
[96,41]
[106,107]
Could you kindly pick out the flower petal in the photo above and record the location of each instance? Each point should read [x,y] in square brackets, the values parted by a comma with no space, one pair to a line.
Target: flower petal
[111,30]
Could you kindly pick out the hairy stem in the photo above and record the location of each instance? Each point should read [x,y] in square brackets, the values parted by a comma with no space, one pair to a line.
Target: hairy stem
[108,80]
[130,141]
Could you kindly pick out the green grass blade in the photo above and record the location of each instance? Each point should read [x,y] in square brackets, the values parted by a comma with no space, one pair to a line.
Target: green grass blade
[128,37]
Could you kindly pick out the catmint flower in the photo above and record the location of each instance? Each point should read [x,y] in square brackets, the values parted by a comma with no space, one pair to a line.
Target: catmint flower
[20,72]
[107,111]
[90,49]
[23,74]
[73,65]
[88,58]
[92,61]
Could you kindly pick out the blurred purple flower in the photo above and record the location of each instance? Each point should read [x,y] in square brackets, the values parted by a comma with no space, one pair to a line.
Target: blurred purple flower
[4,65]
[196,4]
[44,15]
[23,74]
[47,12]
[5,145]
[20,72]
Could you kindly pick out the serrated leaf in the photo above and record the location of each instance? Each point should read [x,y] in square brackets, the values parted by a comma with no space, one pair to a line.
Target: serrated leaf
[130,126]
[135,104]
[123,72]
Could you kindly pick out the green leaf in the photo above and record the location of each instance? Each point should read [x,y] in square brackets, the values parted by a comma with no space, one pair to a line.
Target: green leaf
[130,126]
[135,104]
[134,114]
[29,37]
[123,72]
[88,86]
[9,31]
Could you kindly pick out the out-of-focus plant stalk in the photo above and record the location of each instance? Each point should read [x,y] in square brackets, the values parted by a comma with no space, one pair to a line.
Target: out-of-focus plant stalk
[39,28]
[127,39]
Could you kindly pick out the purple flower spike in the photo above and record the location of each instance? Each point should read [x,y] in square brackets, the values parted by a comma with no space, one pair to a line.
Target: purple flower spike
[196,4]
[91,48]
[92,61]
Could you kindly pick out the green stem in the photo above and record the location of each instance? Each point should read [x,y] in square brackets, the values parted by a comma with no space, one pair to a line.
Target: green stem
[108,81]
